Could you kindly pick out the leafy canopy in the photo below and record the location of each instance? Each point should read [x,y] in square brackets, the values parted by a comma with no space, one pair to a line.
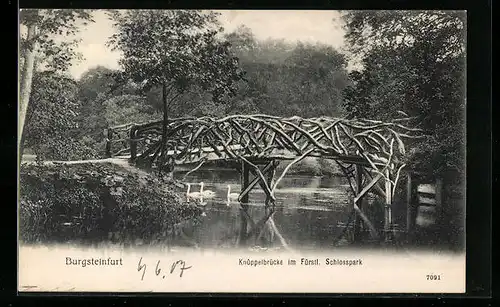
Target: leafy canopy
[178,48]
[413,61]
[286,79]
[53,120]
[56,35]
[444,30]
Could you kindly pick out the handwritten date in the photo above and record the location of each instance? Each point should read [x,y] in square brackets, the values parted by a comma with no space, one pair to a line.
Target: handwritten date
[176,266]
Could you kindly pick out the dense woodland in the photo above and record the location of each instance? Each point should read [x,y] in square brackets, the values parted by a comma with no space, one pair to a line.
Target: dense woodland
[181,63]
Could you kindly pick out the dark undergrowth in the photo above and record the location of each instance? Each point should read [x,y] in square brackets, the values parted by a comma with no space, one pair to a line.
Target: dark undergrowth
[91,203]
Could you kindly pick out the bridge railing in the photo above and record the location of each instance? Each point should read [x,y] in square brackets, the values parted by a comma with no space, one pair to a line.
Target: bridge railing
[373,143]
[124,140]
[118,140]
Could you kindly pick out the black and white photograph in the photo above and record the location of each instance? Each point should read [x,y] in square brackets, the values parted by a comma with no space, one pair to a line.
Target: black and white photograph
[249,151]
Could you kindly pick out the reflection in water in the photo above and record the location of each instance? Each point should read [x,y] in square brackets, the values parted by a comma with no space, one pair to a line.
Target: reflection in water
[308,209]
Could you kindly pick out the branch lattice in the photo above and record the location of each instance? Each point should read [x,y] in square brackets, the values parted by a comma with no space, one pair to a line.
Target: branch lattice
[379,146]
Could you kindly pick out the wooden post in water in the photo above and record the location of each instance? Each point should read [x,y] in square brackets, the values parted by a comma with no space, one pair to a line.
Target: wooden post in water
[388,208]
[439,198]
[410,207]
[244,202]
[357,220]
[270,181]
[439,207]
[269,178]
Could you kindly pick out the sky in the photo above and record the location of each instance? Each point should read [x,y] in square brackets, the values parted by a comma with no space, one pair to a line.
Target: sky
[305,25]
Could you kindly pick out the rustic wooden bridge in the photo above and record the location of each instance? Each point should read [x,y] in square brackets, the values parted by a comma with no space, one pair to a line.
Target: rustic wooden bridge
[370,153]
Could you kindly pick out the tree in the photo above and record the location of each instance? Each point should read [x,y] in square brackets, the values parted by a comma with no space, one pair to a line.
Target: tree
[366,30]
[413,61]
[53,103]
[243,42]
[286,79]
[125,109]
[39,46]
[320,76]
[94,83]
[175,50]
[96,86]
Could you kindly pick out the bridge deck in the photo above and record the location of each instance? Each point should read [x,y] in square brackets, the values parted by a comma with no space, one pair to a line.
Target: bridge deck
[210,154]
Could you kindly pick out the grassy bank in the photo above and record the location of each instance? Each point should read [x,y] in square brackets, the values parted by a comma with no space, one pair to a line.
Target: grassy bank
[92,202]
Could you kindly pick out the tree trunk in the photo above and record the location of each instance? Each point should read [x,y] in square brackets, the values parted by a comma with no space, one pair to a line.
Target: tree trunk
[25,84]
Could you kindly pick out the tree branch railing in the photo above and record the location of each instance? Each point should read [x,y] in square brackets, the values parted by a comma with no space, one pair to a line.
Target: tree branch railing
[375,144]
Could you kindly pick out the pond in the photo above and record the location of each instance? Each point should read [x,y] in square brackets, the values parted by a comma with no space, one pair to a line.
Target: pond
[311,212]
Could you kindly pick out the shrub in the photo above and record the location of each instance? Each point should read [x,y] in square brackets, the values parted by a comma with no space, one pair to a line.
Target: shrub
[65,148]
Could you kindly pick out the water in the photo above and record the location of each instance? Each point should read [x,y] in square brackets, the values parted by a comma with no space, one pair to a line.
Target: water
[309,212]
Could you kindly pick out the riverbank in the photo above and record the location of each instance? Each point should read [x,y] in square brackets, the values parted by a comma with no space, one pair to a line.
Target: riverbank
[92,201]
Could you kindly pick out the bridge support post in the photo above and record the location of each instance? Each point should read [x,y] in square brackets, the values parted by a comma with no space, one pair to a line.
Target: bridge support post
[245,179]
[388,223]
[359,192]
[268,204]
[410,207]
[263,177]
[359,203]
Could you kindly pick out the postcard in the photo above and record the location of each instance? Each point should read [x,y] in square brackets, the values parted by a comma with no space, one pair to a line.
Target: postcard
[241,151]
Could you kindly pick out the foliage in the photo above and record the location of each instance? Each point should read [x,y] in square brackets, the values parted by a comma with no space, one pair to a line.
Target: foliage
[95,83]
[195,102]
[99,90]
[93,87]
[40,45]
[67,148]
[90,201]
[174,50]
[50,133]
[287,79]
[412,62]
[100,83]
[52,24]
[178,48]
[444,30]
[128,109]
